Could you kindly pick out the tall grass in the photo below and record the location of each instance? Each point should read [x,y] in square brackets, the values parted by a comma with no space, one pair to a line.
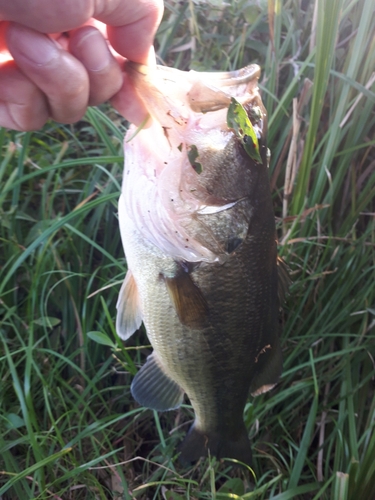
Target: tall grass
[69,427]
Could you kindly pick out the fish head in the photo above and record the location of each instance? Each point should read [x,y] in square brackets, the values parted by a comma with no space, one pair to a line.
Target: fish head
[198,163]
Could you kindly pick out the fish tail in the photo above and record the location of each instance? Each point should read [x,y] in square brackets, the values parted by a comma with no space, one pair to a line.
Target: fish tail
[198,443]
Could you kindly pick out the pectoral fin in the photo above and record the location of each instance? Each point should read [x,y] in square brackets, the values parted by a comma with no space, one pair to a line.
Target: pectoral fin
[188,300]
[129,315]
[154,389]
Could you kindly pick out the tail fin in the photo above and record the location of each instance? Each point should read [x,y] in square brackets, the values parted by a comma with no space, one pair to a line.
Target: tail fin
[198,443]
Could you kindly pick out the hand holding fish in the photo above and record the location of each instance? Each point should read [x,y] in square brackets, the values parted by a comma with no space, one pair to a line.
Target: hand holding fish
[56,58]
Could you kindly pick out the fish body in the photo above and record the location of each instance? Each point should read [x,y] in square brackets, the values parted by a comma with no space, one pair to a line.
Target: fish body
[198,231]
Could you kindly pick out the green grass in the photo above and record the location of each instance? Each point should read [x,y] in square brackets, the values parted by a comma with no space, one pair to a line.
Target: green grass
[69,427]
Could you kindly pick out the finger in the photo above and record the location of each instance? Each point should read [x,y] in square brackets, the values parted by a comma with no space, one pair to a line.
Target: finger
[136,19]
[88,46]
[47,16]
[22,105]
[51,68]
[127,102]
[3,28]
[133,38]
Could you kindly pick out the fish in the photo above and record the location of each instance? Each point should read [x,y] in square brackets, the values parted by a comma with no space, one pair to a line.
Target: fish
[198,230]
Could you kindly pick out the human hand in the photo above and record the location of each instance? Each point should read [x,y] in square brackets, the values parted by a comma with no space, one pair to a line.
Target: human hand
[59,60]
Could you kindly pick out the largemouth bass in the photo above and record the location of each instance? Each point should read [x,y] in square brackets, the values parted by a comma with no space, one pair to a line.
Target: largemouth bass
[198,230]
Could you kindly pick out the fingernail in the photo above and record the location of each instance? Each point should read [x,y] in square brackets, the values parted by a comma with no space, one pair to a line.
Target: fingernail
[34,46]
[93,51]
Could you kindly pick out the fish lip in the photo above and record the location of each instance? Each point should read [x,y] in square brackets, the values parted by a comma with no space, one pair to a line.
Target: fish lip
[228,78]
[218,78]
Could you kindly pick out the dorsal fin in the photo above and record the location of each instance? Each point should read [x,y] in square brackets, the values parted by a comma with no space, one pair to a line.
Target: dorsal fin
[154,389]
[129,314]
[188,300]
